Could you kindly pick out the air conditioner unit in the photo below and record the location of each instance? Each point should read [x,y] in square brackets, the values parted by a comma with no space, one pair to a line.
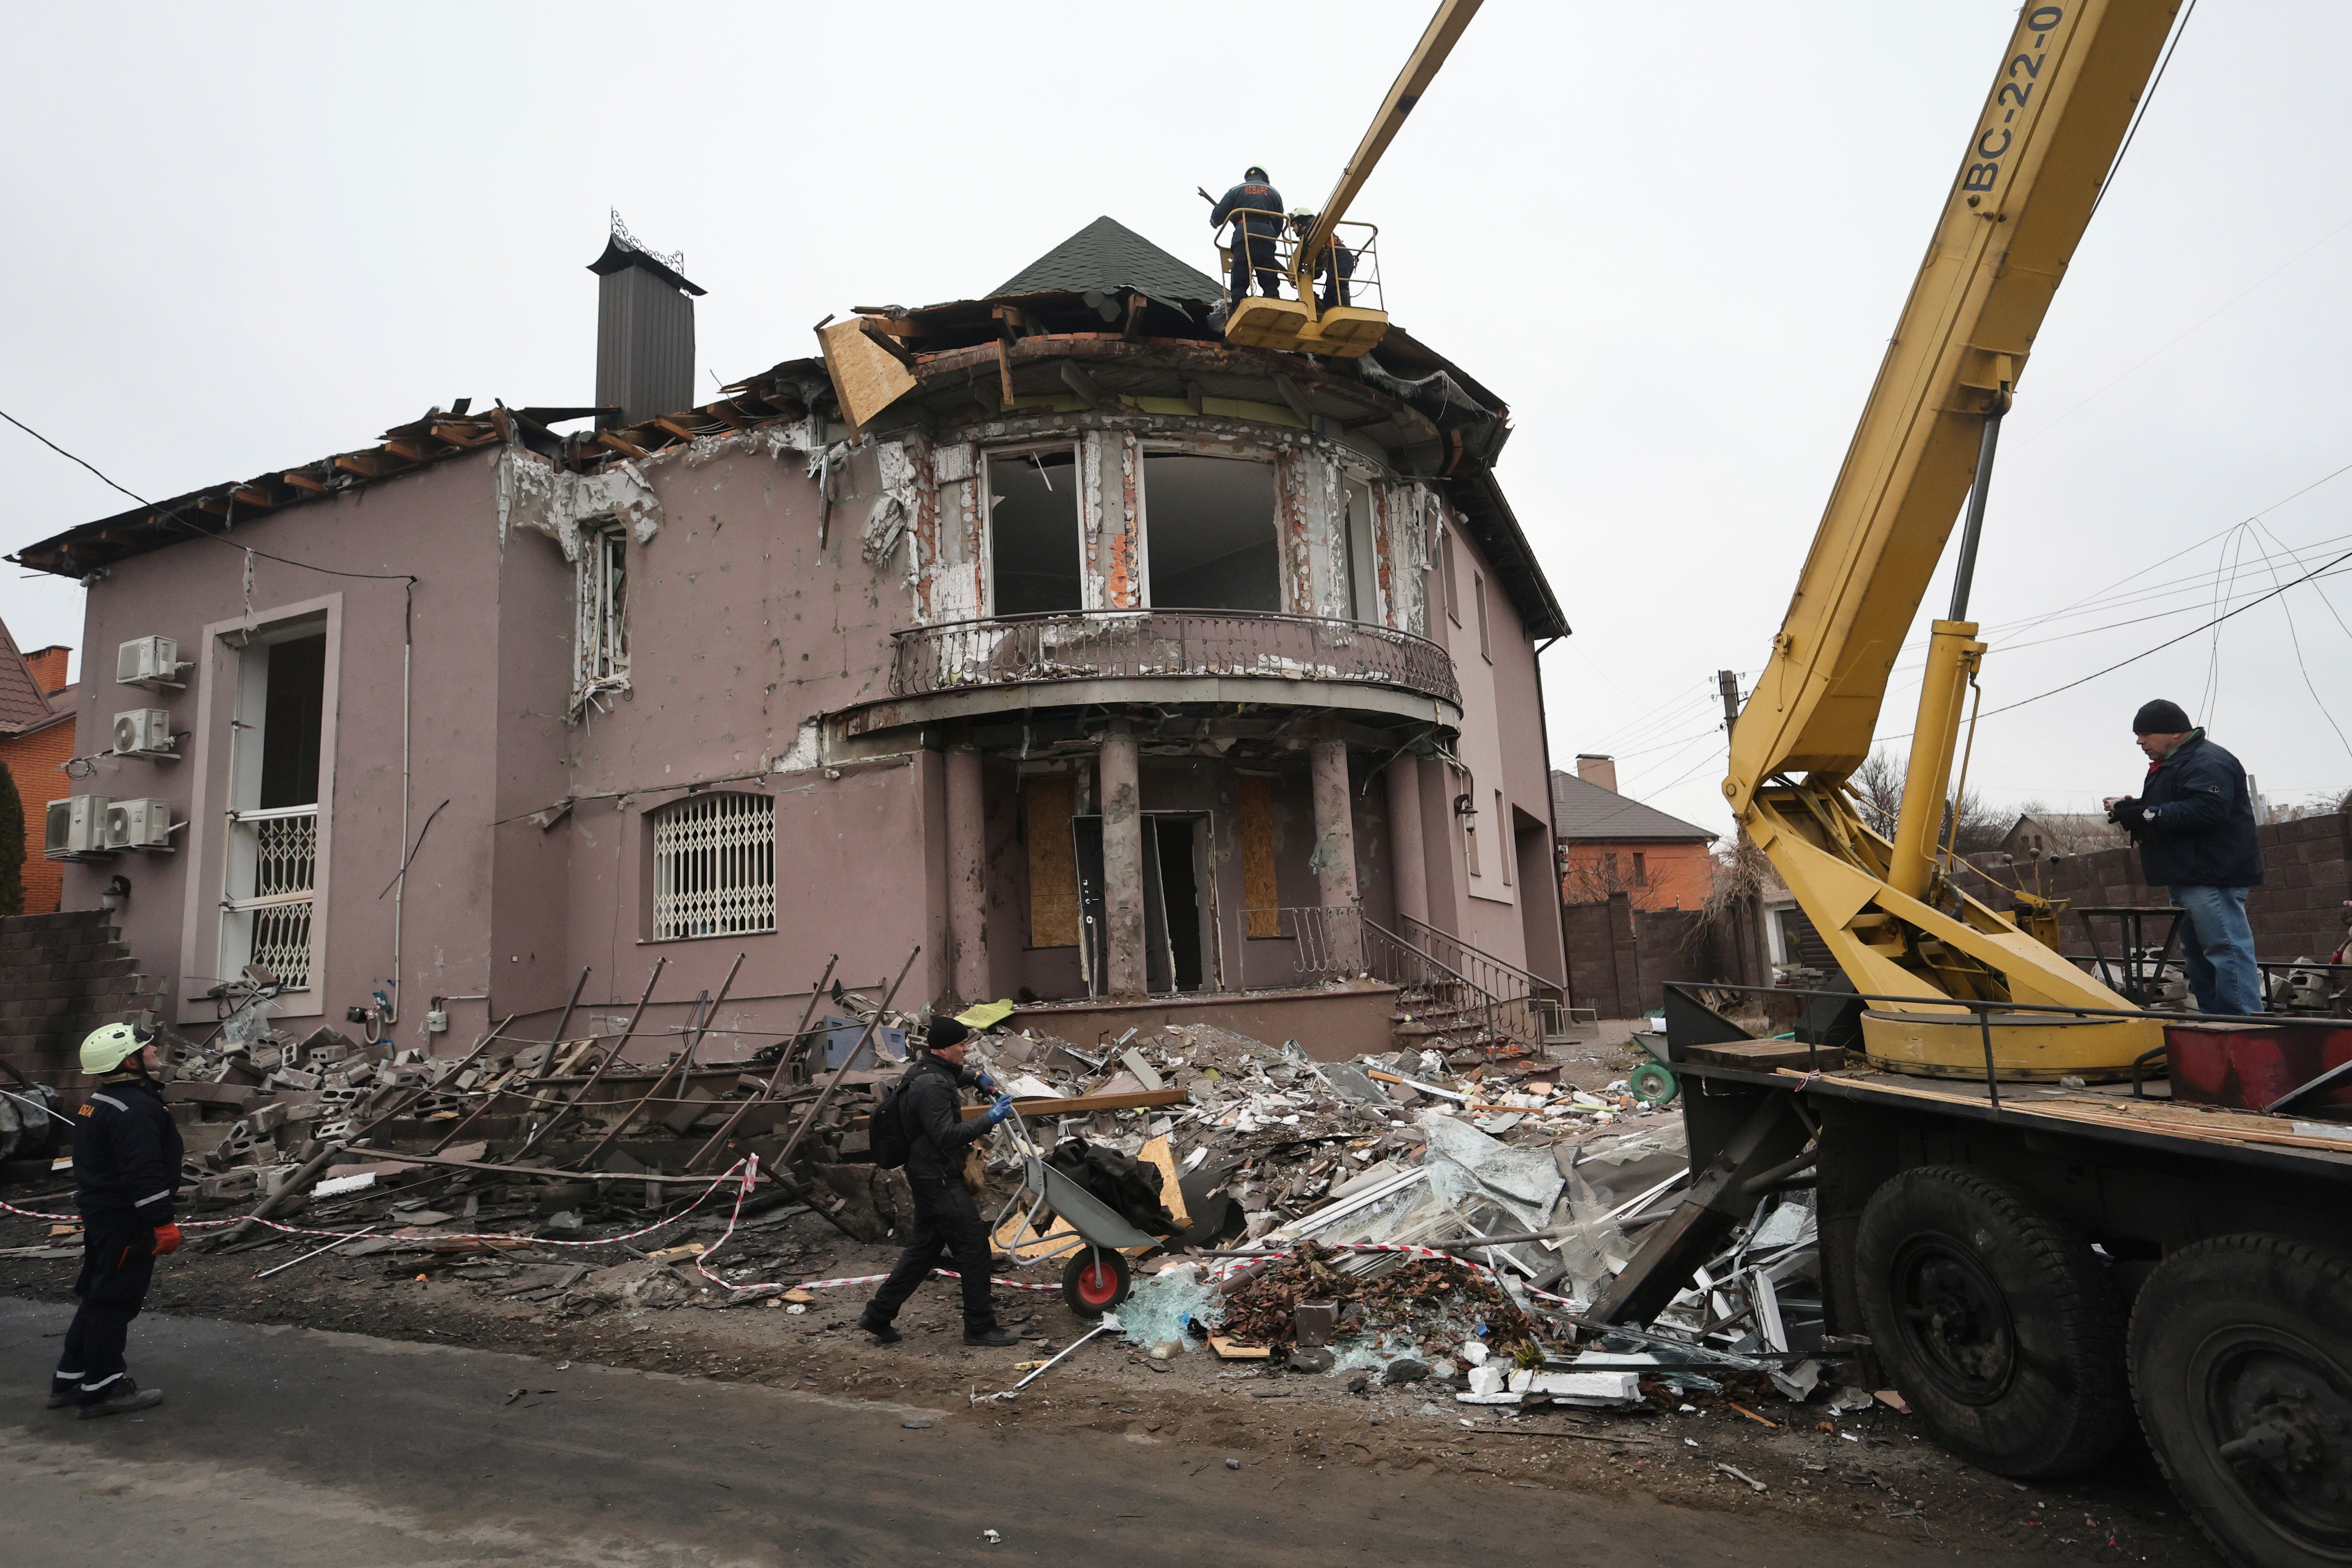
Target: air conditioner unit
[139,825]
[142,730]
[77,826]
[148,661]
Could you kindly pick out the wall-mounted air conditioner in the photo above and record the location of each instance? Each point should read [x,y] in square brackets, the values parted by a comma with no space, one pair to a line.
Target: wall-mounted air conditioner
[77,826]
[143,732]
[151,662]
[139,825]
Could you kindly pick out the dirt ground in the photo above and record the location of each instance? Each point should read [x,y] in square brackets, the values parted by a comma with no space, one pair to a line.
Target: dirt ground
[1872,1471]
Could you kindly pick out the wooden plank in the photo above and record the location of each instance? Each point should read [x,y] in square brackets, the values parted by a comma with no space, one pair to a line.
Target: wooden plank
[1172,1192]
[1260,895]
[1079,1105]
[1053,861]
[1765,1056]
[866,379]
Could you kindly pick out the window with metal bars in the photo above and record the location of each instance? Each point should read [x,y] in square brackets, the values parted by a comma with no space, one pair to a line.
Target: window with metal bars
[601,645]
[715,866]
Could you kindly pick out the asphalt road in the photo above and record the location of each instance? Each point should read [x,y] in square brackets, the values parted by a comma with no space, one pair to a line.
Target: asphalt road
[290,1446]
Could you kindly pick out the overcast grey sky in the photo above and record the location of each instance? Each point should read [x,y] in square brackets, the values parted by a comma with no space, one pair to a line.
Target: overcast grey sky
[1675,238]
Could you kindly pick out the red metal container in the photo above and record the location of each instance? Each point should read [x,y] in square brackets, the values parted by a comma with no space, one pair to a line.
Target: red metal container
[2249,1066]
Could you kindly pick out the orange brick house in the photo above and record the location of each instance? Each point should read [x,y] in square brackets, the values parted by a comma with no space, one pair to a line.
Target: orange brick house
[1609,844]
[37,736]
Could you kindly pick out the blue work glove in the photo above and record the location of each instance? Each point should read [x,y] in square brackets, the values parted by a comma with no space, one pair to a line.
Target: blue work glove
[1001,1110]
[989,1084]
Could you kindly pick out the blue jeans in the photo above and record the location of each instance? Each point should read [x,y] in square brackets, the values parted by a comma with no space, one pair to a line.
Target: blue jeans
[2218,948]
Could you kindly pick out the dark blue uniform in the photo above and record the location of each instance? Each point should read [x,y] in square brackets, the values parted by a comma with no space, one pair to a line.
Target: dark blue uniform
[126,1154]
[1255,208]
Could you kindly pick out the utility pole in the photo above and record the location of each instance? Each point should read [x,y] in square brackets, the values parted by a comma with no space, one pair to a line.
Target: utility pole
[1727,682]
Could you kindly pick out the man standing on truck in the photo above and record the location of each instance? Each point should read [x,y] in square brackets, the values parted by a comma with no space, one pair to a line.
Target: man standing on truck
[928,1105]
[2194,821]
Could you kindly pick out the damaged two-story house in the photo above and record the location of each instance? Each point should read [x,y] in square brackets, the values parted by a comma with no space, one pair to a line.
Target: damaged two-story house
[1121,670]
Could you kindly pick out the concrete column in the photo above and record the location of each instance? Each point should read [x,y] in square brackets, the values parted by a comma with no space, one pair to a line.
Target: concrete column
[1405,849]
[1119,791]
[967,838]
[1335,849]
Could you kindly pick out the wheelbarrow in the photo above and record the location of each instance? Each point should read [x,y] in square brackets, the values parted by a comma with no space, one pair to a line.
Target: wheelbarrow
[1095,1273]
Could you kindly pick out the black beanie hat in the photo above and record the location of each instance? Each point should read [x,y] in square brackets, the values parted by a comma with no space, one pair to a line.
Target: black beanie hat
[946,1033]
[2160,718]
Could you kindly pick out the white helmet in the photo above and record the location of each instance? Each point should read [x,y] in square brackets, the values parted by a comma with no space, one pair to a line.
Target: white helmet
[106,1049]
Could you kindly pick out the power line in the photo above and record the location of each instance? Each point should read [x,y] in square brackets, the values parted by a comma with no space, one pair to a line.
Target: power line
[2140,117]
[2168,642]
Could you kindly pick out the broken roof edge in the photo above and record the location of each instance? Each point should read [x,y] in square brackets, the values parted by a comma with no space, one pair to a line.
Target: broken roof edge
[407,449]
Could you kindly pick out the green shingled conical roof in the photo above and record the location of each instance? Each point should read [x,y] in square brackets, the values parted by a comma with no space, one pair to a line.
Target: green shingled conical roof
[1106,257]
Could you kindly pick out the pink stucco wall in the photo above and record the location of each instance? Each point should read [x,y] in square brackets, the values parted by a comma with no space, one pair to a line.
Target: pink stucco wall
[743,630]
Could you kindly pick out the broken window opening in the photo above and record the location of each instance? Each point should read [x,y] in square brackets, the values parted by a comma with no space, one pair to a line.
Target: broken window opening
[601,641]
[1640,869]
[1211,539]
[1036,564]
[1479,589]
[1363,558]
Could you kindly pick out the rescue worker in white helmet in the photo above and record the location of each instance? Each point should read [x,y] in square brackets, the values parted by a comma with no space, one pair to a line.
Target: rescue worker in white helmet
[126,1156]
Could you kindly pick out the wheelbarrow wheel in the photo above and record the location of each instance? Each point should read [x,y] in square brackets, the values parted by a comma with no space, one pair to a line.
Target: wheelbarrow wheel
[1095,1280]
[1654,1083]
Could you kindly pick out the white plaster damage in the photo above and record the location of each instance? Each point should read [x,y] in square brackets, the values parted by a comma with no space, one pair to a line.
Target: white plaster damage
[534,493]
[893,514]
[807,750]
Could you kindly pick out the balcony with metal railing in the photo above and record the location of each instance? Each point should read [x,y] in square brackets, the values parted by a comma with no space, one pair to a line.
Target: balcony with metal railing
[1167,645]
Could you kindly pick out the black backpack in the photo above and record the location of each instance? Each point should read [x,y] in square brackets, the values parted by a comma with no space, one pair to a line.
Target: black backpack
[885,1131]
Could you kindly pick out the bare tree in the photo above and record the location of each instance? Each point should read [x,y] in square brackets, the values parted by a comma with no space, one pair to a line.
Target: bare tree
[1878,786]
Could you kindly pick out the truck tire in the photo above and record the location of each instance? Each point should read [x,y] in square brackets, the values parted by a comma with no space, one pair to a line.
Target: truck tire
[2242,1366]
[1996,1321]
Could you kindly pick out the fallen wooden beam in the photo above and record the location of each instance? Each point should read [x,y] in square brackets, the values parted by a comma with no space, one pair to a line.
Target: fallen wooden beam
[1139,1099]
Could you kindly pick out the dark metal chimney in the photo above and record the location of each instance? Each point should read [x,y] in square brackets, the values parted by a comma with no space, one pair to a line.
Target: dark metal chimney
[644,329]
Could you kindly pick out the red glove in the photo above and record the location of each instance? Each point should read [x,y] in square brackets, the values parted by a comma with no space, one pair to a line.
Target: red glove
[167,1239]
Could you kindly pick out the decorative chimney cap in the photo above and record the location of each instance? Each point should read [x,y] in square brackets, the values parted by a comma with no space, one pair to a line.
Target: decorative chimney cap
[624,249]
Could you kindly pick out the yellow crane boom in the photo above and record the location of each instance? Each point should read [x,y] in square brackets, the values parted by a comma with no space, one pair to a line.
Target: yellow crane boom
[2058,109]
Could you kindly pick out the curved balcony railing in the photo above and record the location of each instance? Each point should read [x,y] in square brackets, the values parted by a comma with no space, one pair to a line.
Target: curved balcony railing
[1096,645]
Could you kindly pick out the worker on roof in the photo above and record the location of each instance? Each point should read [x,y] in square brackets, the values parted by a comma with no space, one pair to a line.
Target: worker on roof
[2194,821]
[1332,267]
[1254,209]
[126,1159]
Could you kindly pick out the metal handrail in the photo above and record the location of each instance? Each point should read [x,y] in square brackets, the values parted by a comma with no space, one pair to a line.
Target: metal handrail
[1393,960]
[1090,644]
[1535,981]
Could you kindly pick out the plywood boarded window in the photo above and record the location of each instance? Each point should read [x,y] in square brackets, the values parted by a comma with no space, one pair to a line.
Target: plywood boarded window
[1260,897]
[1052,862]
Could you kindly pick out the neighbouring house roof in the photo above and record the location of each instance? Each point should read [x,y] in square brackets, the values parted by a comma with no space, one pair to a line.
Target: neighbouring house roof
[1582,811]
[1108,257]
[24,706]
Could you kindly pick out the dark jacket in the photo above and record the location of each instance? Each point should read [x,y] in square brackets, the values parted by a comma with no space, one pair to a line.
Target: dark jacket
[2199,827]
[931,1101]
[126,1154]
[1264,222]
